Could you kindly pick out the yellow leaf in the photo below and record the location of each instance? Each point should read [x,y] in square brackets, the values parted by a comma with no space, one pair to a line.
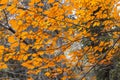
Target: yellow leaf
[40,4]
[64,78]
[50,1]
[15,44]
[7,57]
[2,7]
[3,65]
[11,39]
[40,9]
[59,70]
[20,22]
[34,55]
[1,47]
[84,32]
[28,64]
[14,24]
[25,57]
[30,78]
[100,49]
[3,4]
[3,1]
[12,9]
[51,64]
[92,38]
[24,35]
[40,53]
[47,73]
[84,79]
[101,43]
[96,24]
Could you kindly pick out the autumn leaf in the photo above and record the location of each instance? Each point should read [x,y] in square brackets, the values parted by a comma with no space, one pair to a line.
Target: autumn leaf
[1,47]
[14,24]
[30,78]
[11,39]
[47,74]
[3,4]
[3,65]
[50,1]
[84,79]
[25,57]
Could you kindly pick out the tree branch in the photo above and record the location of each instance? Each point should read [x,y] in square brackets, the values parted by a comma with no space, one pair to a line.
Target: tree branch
[102,58]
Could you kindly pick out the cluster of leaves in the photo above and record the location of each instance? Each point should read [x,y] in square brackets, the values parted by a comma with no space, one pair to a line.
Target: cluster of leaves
[35,34]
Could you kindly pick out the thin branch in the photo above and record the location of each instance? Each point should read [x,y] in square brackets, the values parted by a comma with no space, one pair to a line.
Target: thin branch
[102,58]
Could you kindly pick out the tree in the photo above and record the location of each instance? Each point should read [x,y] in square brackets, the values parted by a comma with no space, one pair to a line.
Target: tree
[39,36]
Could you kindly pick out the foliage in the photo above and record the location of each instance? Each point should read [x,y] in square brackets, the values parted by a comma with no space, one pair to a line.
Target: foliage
[35,35]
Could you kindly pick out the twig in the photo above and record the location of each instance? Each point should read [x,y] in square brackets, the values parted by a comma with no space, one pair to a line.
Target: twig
[102,58]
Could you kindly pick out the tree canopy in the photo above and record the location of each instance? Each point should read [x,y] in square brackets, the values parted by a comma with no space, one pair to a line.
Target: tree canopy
[64,39]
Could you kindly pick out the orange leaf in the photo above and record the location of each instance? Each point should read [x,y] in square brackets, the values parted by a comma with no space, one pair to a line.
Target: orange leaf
[14,24]
[25,57]
[11,39]
[51,1]
[1,47]
[30,78]
[47,73]
[3,65]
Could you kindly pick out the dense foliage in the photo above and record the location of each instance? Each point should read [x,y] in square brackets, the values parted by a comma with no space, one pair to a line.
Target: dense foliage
[57,39]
